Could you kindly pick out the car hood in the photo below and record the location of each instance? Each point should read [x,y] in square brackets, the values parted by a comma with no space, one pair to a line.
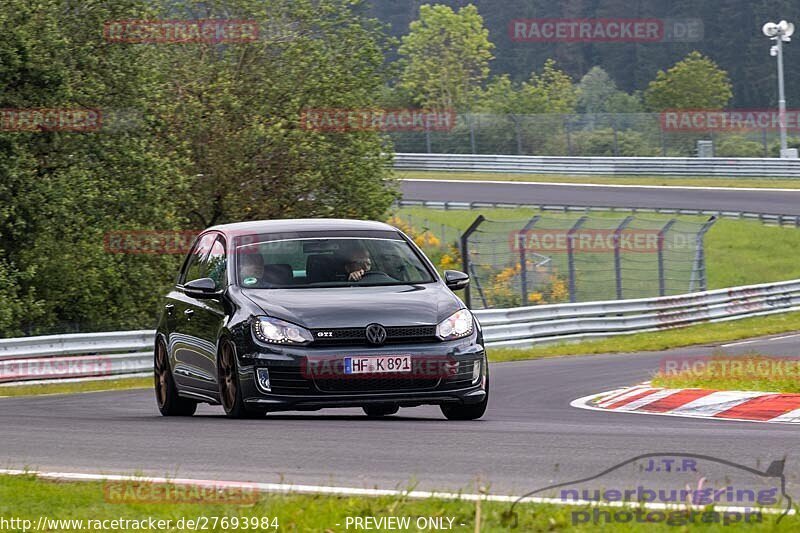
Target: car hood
[347,307]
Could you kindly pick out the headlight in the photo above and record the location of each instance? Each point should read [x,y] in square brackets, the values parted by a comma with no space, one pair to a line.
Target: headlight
[457,325]
[274,331]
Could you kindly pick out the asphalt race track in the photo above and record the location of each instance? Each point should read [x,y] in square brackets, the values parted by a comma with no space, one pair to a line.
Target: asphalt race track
[779,202]
[529,437]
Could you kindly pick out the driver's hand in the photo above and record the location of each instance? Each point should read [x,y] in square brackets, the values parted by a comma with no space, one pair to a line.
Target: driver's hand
[356,275]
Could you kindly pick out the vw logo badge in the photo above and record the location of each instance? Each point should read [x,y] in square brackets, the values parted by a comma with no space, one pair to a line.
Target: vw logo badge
[376,334]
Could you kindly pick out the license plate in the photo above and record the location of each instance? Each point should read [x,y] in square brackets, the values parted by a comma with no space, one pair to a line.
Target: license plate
[377,364]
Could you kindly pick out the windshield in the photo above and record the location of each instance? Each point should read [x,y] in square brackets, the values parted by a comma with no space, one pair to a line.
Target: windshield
[321,262]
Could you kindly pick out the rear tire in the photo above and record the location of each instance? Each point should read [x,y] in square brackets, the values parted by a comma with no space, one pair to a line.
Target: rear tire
[379,411]
[230,390]
[167,398]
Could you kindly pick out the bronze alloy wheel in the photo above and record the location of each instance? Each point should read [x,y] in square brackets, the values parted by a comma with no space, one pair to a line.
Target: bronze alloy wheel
[169,401]
[228,383]
[161,370]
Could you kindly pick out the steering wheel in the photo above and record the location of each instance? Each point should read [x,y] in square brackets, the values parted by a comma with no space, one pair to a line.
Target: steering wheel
[369,273]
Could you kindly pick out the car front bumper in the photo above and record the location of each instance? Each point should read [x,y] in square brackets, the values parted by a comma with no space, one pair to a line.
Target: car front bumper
[293,387]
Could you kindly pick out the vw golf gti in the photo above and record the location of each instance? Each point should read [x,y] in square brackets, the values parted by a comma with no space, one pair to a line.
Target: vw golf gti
[309,314]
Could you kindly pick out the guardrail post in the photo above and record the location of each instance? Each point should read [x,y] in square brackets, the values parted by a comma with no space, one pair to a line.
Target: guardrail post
[571,256]
[699,266]
[465,255]
[617,257]
[662,283]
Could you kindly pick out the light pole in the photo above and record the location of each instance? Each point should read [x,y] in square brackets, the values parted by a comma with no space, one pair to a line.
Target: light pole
[780,33]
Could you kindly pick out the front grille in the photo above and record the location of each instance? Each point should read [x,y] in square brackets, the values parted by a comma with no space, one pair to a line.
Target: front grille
[382,384]
[358,336]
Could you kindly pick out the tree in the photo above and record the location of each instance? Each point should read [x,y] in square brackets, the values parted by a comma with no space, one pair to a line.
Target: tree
[239,110]
[552,91]
[694,83]
[594,90]
[445,57]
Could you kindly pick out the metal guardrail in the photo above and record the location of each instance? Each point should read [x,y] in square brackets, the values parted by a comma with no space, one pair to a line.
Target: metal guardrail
[721,167]
[524,326]
[130,352]
[76,356]
[766,218]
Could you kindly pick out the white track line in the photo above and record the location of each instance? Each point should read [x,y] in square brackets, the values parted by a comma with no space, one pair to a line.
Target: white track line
[352,491]
[742,343]
[617,186]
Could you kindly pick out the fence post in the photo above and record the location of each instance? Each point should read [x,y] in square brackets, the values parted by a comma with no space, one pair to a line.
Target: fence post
[471,133]
[518,134]
[616,142]
[569,136]
[699,266]
[571,256]
[523,260]
[523,269]
[465,254]
[617,258]
[427,136]
[662,282]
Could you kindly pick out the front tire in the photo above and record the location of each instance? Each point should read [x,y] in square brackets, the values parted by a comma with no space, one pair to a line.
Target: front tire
[230,390]
[167,398]
[379,411]
[467,412]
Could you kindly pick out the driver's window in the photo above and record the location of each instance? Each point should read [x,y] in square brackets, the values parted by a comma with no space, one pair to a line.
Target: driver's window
[216,263]
[195,267]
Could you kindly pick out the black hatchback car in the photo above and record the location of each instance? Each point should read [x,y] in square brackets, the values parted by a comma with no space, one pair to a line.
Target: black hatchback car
[309,314]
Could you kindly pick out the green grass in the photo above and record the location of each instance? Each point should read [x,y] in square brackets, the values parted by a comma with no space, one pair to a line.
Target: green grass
[753,372]
[75,387]
[25,497]
[662,340]
[691,181]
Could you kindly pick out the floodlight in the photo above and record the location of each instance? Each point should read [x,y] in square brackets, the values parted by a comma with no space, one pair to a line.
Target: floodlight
[786,28]
[770,29]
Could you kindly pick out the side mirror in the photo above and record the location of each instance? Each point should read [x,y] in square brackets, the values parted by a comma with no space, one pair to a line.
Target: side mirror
[455,280]
[201,288]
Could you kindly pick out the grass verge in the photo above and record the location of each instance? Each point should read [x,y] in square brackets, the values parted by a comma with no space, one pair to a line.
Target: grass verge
[661,340]
[689,181]
[751,373]
[28,498]
[77,386]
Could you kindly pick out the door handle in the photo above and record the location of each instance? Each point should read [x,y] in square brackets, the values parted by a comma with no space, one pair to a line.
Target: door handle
[188,313]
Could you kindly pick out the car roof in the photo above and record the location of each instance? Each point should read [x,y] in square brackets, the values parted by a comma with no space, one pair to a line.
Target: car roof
[300,224]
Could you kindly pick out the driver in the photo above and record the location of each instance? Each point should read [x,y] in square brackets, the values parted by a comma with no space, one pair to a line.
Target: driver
[252,268]
[357,263]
